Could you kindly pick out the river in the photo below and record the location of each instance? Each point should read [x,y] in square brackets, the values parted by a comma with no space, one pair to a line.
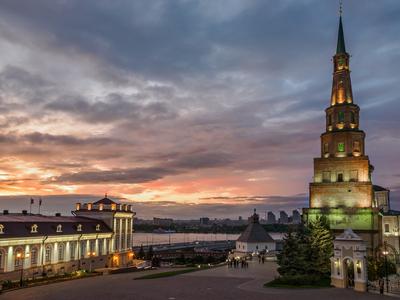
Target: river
[141,238]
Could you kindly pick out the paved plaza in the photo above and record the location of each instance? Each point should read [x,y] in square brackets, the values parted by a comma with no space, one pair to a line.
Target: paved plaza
[218,283]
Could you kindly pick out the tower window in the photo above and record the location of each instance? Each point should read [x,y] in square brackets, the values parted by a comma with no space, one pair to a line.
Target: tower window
[356,146]
[341,117]
[326,148]
[59,228]
[387,228]
[341,147]
[329,120]
[326,176]
[354,175]
[353,117]
[340,177]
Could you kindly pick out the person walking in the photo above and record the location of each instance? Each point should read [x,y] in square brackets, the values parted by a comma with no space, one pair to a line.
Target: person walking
[381,283]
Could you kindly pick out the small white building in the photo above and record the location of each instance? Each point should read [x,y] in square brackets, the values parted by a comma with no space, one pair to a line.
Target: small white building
[254,239]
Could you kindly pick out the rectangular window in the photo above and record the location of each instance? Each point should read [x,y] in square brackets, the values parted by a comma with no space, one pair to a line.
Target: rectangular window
[341,147]
[326,148]
[341,117]
[340,177]
[354,175]
[356,146]
[34,256]
[326,176]
[387,228]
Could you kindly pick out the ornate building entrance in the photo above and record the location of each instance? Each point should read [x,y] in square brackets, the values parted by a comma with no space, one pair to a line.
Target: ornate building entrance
[349,265]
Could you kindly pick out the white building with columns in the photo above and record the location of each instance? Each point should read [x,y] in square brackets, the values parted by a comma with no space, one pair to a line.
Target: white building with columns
[98,235]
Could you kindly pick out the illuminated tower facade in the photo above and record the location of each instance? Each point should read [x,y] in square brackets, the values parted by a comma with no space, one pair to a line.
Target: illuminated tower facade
[342,189]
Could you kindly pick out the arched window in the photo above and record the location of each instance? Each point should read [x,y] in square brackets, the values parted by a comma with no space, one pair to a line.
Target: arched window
[98,227]
[47,255]
[79,227]
[72,249]
[59,228]
[34,228]
[61,252]
[341,117]
[34,256]
[83,249]
[1,229]
[18,259]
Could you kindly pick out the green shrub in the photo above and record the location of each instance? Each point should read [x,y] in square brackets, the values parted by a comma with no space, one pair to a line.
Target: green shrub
[299,281]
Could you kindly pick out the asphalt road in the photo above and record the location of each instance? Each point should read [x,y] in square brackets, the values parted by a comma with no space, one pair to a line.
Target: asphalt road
[219,283]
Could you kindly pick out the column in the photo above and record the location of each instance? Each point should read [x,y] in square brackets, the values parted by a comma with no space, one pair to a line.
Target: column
[9,264]
[54,256]
[67,251]
[27,257]
[96,247]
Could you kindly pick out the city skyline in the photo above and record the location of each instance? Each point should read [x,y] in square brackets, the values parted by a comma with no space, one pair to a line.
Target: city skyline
[184,108]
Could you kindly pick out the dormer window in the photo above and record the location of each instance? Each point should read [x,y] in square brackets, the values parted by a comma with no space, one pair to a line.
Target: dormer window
[34,228]
[1,229]
[59,228]
[79,227]
[98,227]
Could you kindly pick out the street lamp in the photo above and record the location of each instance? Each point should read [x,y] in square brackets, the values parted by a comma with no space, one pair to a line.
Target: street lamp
[91,254]
[21,256]
[385,254]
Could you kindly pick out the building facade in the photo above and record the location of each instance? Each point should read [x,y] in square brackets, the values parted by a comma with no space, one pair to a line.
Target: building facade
[342,188]
[254,239]
[33,245]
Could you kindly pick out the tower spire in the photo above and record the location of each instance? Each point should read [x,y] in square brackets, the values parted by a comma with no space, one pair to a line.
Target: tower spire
[341,47]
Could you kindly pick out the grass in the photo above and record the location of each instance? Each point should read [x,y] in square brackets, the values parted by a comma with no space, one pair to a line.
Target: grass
[299,282]
[168,274]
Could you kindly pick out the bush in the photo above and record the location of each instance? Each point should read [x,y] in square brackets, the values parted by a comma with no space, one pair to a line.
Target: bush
[300,281]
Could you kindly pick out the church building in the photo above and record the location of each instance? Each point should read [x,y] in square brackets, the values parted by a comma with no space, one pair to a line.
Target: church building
[342,188]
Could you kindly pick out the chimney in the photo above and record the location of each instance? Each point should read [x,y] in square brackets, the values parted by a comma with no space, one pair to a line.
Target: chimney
[5,212]
[24,212]
[58,214]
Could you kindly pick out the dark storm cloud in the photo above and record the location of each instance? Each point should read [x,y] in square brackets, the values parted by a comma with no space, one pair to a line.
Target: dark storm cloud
[112,108]
[141,175]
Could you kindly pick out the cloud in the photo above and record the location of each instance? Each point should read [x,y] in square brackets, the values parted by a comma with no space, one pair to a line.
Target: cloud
[183,101]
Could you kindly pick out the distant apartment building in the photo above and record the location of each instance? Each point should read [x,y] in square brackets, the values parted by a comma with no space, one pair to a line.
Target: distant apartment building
[296,217]
[283,217]
[164,222]
[271,219]
[204,221]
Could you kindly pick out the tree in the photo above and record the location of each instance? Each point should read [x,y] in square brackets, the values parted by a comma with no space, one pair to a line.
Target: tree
[321,246]
[307,251]
[292,259]
[141,252]
[376,267]
[150,253]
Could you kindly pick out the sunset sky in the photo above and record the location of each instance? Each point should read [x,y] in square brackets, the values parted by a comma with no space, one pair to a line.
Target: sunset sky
[186,108]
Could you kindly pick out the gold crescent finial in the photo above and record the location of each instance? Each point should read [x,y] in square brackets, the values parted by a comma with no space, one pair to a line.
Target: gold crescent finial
[340,7]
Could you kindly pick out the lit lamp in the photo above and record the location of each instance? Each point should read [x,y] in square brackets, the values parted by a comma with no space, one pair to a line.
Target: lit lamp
[385,253]
[21,256]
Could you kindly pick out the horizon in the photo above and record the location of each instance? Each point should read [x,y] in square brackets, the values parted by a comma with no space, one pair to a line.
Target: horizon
[186,108]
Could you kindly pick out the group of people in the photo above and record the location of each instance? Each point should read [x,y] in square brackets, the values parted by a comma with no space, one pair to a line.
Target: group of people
[236,263]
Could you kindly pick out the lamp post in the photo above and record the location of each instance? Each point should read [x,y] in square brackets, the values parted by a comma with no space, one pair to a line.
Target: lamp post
[91,254]
[21,256]
[385,254]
